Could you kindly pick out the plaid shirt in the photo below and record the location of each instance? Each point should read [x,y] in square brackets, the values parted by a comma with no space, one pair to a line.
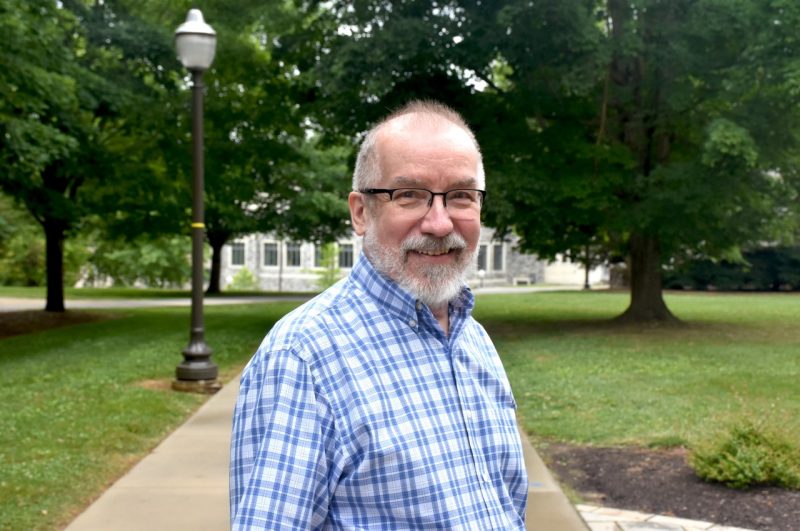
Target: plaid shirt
[357,412]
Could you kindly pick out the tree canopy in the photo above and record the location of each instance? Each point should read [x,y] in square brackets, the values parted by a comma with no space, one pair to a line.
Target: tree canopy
[654,130]
[94,112]
[646,130]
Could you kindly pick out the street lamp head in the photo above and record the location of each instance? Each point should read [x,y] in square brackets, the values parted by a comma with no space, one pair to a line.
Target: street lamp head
[196,42]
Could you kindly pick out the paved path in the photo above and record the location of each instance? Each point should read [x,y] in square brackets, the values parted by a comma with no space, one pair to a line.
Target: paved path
[16,304]
[183,484]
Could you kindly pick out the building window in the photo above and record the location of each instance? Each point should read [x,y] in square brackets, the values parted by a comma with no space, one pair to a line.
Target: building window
[498,257]
[293,254]
[346,255]
[482,258]
[270,254]
[237,254]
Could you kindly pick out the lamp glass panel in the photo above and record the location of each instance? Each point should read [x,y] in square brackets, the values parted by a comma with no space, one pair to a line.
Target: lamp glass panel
[196,52]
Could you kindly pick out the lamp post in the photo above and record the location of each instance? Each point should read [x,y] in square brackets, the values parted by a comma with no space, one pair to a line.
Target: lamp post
[196,43]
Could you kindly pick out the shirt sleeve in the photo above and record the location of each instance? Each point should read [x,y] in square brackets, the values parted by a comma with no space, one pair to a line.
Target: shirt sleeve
[282,448]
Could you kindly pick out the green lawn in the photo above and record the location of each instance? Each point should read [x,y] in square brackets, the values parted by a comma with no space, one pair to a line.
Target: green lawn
[579,378]
[79,405]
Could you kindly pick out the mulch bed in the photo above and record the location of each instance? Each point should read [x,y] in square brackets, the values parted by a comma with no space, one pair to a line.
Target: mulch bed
[661,482]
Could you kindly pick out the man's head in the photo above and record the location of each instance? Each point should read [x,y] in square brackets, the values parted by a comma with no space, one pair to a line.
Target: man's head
[426,250]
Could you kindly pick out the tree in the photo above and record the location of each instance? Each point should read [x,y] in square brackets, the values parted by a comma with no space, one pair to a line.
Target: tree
[655,128]
[262,169]
[65,89]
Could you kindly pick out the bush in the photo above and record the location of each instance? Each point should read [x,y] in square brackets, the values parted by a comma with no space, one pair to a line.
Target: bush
[22,249]
[155,262]
[244,280]
[763,269]
[747,456]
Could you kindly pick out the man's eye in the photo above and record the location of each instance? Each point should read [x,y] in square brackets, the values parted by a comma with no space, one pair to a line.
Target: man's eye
[409,195]
[463,196]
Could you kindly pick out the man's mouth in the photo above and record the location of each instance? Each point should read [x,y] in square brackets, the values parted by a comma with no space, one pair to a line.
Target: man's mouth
[434,253]
[435,248]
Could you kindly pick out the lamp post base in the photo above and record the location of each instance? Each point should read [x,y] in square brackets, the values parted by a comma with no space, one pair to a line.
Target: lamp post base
[205,387]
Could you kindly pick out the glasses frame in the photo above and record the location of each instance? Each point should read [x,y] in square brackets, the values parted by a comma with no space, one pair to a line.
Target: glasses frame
[390,192]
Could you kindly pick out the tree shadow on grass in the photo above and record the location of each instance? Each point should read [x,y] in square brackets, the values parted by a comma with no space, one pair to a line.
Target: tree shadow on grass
[30,321]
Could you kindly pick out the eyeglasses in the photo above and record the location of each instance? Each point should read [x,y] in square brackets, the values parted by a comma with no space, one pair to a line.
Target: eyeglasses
[459,203]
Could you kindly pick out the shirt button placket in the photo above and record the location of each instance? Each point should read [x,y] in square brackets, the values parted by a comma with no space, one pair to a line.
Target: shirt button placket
[481,472]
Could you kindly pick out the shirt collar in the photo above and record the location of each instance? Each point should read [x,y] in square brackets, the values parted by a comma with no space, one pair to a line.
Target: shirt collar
[389,295]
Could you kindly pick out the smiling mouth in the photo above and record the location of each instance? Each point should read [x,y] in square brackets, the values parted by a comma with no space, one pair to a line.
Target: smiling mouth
[435,253]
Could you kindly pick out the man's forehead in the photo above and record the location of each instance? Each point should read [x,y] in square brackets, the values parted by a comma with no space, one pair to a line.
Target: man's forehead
[405,181]
[424,131]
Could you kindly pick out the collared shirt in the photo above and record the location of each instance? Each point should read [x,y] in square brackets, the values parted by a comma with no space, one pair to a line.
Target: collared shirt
[358,412]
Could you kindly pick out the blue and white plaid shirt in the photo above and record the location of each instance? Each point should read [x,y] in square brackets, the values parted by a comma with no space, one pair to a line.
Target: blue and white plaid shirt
[357,412]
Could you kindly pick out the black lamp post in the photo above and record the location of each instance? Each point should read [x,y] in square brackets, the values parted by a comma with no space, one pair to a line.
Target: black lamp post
[196,42]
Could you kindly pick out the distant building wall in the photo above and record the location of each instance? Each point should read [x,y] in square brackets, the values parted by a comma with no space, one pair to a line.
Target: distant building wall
[563,272]
[284,265]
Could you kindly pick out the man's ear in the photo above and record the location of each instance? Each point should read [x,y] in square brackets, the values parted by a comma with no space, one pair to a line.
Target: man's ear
[358,212]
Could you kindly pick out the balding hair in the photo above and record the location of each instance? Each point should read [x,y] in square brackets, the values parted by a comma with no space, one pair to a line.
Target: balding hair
[368,169]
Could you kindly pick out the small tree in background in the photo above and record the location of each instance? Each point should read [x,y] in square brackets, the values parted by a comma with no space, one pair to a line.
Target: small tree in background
[328,272]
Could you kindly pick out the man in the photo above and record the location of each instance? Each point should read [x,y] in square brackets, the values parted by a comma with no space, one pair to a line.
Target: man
[381,403]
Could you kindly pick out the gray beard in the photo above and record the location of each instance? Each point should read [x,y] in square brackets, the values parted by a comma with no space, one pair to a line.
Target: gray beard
[434,285]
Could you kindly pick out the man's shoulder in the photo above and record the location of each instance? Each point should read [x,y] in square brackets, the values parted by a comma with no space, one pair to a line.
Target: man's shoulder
[310,327]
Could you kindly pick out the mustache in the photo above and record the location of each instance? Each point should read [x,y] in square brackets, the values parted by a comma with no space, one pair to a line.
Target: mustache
[428,244]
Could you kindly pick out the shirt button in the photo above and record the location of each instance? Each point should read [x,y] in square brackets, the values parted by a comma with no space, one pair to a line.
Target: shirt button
[485,476]
[468,414]
[419,305]
[412,323]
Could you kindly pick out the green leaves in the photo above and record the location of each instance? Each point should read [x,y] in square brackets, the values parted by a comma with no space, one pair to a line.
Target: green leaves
[748,456]
[728,144]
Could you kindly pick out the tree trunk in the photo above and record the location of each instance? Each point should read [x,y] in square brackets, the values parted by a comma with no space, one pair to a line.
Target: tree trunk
[647,300]
[217,241]
[54,257]
[587,264]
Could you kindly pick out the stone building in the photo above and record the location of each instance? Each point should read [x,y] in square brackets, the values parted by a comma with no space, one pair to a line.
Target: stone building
[285,265]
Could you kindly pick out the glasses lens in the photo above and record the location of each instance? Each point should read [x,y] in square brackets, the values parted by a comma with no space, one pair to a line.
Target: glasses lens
[411,198]
[461,204]
[463,199]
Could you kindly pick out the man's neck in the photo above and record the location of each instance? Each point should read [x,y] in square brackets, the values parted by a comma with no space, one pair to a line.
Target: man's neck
[442,314]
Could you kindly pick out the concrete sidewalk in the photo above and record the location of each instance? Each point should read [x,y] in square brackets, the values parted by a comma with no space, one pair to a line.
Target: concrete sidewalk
[183,485]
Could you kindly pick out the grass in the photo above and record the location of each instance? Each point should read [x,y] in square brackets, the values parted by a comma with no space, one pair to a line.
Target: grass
[79,405]
[579,378]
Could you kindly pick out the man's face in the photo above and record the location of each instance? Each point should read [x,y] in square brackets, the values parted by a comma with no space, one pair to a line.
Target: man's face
[425,252]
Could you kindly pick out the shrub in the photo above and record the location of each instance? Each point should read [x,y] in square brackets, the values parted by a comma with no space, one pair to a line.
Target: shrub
[747,456]
[162,261]
[762,269]
[244,280]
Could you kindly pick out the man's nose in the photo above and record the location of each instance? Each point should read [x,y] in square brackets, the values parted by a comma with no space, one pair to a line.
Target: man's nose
[437,220]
